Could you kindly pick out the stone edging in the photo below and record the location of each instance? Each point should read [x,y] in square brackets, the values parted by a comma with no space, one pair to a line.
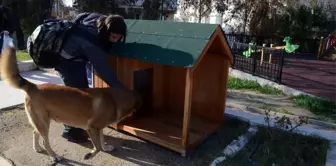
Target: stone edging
[236,145]
[331,159]
[29,65]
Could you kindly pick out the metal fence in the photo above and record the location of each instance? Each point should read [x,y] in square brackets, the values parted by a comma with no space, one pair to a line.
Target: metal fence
[263,62]
[306,45]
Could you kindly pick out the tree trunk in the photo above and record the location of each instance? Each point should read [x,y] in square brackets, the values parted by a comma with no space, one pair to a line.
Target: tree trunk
[245,21]
[199,12]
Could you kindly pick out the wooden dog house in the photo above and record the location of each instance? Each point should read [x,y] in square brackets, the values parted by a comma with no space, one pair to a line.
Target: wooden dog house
[181,71]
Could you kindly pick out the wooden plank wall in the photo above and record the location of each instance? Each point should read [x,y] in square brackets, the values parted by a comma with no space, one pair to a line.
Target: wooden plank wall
[209,85]
[209,90]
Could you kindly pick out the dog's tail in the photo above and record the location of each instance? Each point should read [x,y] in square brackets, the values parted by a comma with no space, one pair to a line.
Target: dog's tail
[10,71]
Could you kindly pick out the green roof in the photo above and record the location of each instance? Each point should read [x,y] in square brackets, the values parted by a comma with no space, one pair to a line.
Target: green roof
[164,42]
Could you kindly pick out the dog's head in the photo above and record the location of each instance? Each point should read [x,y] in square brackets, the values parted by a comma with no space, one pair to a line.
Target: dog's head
[138,101]
[134,107]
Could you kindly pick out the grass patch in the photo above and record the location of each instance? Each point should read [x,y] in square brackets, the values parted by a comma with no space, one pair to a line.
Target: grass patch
[285,111]
[243,84]
[22,56]
[318,106]
[280,110]
[265,107]
[279,147]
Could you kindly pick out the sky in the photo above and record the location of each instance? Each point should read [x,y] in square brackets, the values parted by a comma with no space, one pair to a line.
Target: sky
[68,2]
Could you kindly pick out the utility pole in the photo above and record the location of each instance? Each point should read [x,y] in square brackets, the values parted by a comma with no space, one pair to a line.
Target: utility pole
[57,8]
[162,11]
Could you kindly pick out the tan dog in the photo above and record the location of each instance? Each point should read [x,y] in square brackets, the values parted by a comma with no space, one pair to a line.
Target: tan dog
[89,109]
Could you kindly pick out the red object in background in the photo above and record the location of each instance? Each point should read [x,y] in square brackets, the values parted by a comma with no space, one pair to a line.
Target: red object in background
[332,41]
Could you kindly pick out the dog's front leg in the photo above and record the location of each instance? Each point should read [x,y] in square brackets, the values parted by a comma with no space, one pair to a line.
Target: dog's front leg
[54,157]
[36,144]
[94,135]
[106,147]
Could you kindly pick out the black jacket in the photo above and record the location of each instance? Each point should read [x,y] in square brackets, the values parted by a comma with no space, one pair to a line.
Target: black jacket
[91,48]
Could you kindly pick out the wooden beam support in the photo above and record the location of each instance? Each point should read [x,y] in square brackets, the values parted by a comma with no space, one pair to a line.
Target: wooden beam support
[187,108]
[262,54]
[320,50]
[270,56]
[206,48]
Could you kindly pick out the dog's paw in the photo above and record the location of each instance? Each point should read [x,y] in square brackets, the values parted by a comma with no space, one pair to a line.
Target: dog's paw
[38,149]
[108,148]
[88,156]
[56,159]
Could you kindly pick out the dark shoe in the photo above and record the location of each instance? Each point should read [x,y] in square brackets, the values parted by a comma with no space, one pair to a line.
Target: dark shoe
[76,137]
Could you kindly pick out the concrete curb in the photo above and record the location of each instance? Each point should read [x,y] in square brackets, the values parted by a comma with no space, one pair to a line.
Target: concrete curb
[25,66]
[331,153]
[10,107]
[53,71]
[322,123]
[310,120]
[5,162]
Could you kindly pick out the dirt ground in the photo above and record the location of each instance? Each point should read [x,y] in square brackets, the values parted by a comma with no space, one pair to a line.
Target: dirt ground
[16,146]
[248,100]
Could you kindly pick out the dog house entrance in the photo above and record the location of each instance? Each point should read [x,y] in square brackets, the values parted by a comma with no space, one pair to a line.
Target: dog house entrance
[143,84]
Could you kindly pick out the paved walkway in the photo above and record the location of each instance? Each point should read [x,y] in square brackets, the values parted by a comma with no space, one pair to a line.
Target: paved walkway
[10,96]
[309,75]
[16,146]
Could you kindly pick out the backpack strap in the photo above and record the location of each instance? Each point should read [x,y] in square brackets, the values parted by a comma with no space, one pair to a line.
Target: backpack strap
[87,35]
[81,32]
[80,17]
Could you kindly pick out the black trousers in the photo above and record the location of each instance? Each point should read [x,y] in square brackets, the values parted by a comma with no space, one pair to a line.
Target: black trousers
[73,74]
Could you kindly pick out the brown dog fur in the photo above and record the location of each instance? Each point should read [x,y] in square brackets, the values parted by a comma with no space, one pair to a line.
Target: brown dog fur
[90,109]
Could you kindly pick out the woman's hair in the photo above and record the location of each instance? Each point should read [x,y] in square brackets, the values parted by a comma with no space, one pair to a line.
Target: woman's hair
[112,23]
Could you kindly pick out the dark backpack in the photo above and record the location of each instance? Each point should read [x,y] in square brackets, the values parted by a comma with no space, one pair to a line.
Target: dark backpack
[5,23]
[45,43]
[6,20]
